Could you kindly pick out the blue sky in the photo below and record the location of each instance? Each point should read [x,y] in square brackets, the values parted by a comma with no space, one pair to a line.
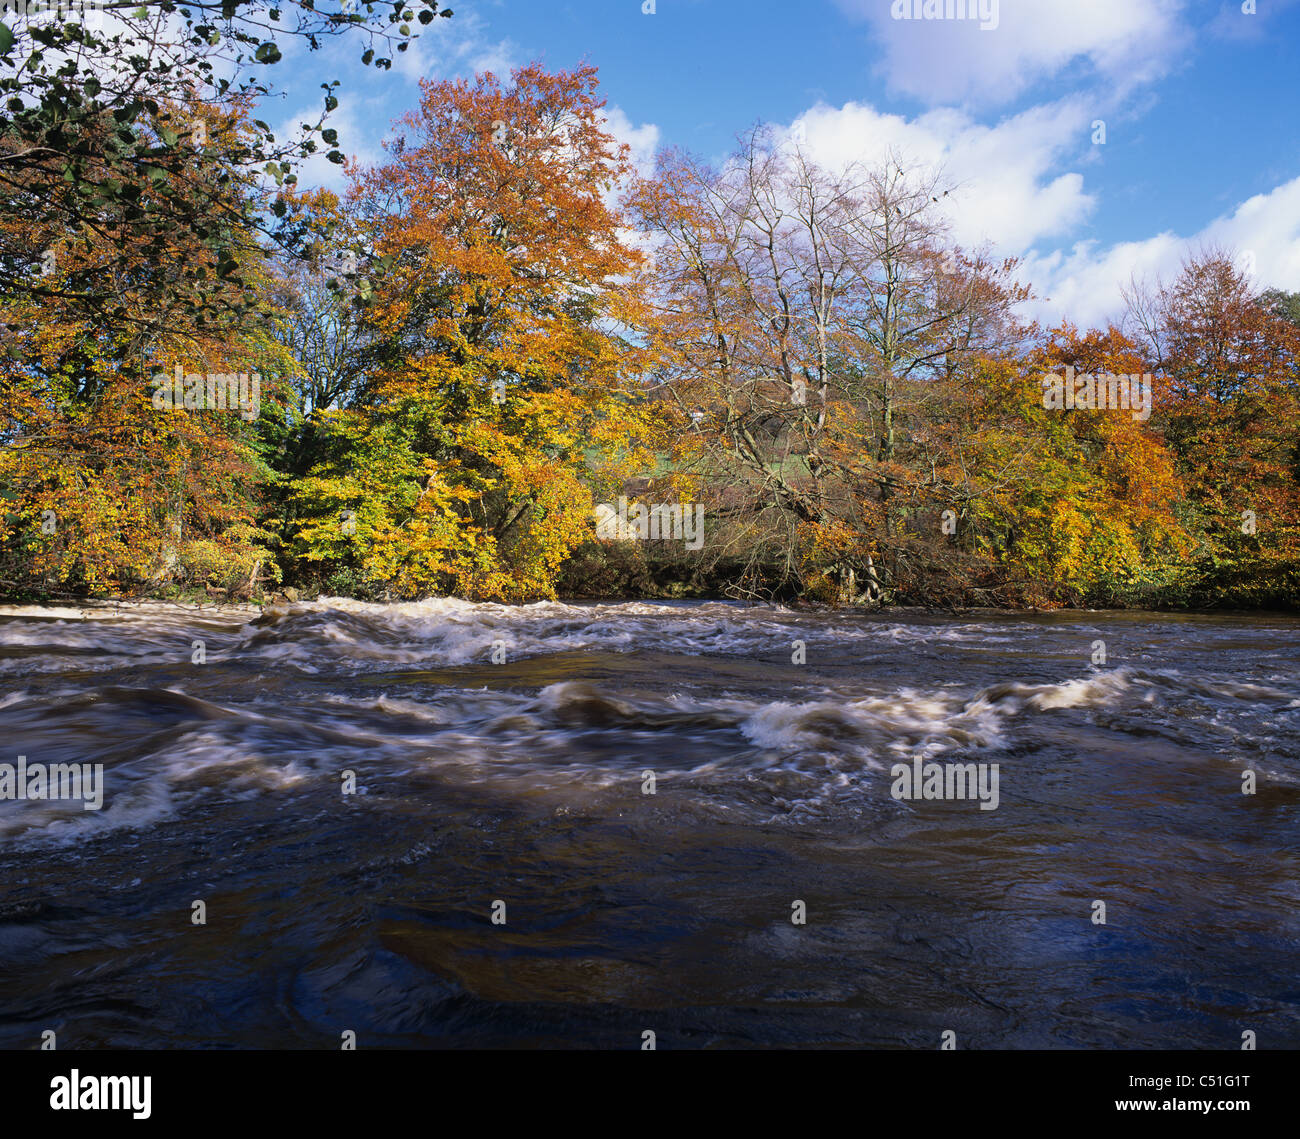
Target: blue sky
[1199,101]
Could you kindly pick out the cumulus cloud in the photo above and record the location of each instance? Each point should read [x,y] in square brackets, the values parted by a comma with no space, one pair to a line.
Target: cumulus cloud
[1008,187]
[1014,191]
[1122,43]
[1085,282]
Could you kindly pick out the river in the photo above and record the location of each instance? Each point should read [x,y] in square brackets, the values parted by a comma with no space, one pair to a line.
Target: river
[444,824]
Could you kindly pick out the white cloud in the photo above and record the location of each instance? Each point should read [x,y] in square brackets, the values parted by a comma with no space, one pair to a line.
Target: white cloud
[1085,282]
[643,140]
[1015,191]
[1121,43]
[1006,189]
[456,47]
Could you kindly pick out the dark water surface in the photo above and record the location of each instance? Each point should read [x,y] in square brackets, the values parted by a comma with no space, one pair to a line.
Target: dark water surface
[625,912]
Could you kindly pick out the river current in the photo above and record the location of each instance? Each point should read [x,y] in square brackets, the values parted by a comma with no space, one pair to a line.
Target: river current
[444,824]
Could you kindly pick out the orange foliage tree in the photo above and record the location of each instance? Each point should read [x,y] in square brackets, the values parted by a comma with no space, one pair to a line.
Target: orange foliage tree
[503,367]
[1232,417]
[102,489]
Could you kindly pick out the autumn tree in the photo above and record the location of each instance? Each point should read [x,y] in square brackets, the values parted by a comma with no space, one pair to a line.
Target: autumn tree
[503,373]
[1232,417]
[807,319]
[1093,509]
[104,490]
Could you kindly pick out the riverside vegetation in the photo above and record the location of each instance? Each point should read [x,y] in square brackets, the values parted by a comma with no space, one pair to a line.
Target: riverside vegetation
[505,324]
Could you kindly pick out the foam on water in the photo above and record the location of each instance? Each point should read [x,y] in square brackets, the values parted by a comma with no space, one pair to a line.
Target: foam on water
[818,740]
[338,634]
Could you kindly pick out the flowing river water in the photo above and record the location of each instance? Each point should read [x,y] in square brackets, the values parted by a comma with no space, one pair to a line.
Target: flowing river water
[504,754]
